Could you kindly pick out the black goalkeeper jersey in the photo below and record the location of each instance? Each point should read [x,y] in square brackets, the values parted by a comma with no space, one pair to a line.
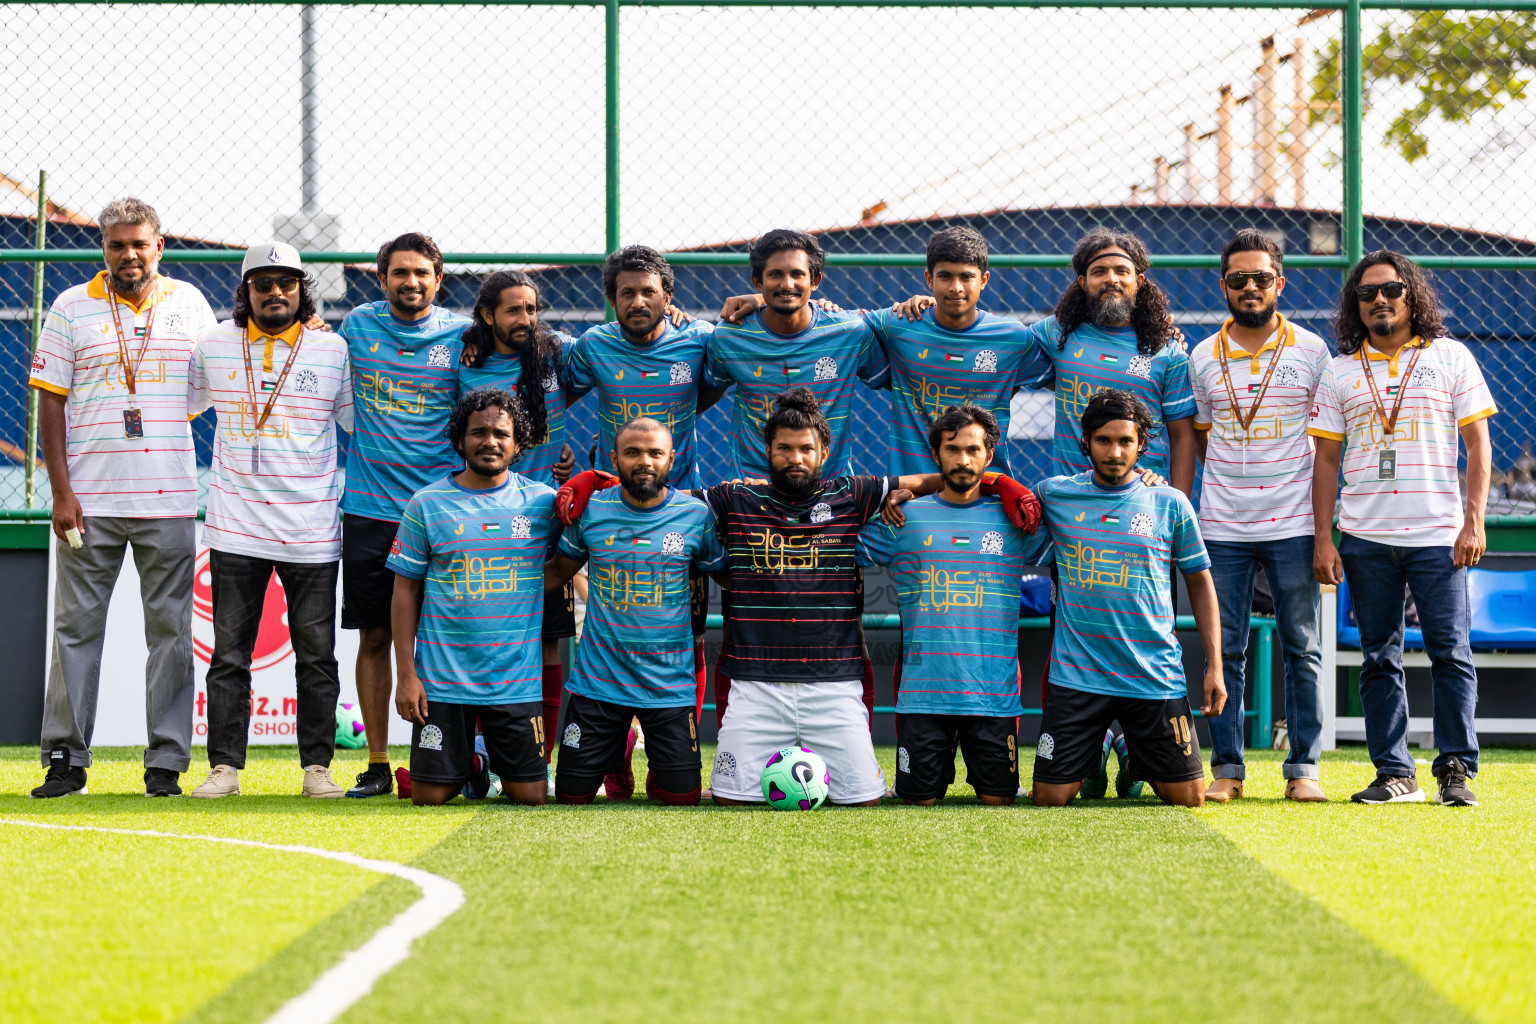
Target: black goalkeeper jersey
[796,595]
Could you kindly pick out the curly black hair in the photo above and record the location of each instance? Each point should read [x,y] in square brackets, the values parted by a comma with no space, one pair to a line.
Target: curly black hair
[241,313]
[797,409]
[1149,315]
[487,398]
[1423,302]
[641,258]
[538,360]
[1113,404]
[956,418]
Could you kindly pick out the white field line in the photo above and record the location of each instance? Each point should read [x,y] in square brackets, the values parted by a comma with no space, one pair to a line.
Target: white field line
[351,979]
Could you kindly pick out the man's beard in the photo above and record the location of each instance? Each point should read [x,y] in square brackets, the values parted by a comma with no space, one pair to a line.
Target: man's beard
[1251,320]
[1110,308]
[644,489]
[517,337]
[644,329]
[123,287]
[957,483]
[1383,328]
[273,323]
[795,488]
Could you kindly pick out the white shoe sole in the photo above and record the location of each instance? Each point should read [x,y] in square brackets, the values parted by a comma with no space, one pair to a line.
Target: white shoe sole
[1453,803]
[195,795]
[82,791]
[1416,797]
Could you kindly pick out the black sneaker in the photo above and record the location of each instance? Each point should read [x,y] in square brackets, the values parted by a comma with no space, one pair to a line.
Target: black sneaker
[1453,786]
[1391,789]
[375,781]
[61,780]
[161,782]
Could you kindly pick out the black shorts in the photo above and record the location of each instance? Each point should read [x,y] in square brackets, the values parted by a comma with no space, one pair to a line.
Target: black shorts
[698,596]
[1159,733]
[925,754]
[559,613]
[593,735]
[367,584]
[443,750]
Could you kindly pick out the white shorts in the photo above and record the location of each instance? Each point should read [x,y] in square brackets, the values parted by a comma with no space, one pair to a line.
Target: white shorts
[829,718]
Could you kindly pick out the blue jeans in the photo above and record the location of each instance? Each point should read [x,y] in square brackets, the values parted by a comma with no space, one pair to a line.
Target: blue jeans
[1287,564]
[1376,575]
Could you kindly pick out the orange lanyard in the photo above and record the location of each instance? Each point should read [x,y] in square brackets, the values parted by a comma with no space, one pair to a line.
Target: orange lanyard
[1284,336]
[1389,423]
[130,370]
[250,380]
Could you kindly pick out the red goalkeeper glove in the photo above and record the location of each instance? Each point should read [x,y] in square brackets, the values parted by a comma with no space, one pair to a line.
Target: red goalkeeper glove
[571,501]
[1019,502]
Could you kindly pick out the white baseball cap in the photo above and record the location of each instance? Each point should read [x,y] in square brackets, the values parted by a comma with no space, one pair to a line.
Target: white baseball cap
[270,255]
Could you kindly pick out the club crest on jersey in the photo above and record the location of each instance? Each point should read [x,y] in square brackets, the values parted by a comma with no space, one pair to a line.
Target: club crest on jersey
[431,738]
[176,323]
[682,373]
[822,513]
[1424,375]
[39,364]
[572,737]
[992,543]
[1287,377]
[551,383]
[522,528]
[725,765]
[1140,366]
[903,760]
[826,368]
[306,382]
[985,362]
[1141,524]
[1046,748]
[438,355]
[672,544]
[394,547]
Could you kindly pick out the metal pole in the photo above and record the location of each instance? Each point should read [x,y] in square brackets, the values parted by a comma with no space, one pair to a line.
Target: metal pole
[1353,209]
[611,68]
[29,471]
[309,60]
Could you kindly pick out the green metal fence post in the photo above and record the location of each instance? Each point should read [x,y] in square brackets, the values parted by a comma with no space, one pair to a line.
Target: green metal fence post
[1353,211]
[29,464]
[611,101]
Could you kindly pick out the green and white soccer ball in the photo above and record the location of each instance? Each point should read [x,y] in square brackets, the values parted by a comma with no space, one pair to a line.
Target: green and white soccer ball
[349,727]
[796,779]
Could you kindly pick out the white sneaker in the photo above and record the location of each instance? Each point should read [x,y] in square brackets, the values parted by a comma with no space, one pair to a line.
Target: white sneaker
[221,781]
[318,782]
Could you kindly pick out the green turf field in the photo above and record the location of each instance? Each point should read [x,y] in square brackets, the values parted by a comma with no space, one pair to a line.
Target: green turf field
[1126,911]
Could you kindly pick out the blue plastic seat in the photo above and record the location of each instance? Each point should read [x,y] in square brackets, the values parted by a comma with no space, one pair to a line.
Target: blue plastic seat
[1349,633]
[1503,609]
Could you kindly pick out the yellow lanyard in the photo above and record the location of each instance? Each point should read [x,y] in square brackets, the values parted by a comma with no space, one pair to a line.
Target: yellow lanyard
[1389,424]
[130,369]
[1284,336]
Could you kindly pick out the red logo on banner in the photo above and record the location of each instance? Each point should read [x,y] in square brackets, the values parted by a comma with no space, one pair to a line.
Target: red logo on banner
[273,643]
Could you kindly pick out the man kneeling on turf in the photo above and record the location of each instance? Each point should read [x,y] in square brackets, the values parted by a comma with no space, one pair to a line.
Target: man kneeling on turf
[1115,655]
[468,606]
[635,659]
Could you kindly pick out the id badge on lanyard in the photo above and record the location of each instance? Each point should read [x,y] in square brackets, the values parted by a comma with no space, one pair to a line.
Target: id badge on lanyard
[133,416]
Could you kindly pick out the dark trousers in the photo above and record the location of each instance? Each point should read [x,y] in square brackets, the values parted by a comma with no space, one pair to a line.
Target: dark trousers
[239,592]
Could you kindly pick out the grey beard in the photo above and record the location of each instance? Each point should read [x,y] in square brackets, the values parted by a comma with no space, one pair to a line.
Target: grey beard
[122,287]
[1110,311]
[1254,320]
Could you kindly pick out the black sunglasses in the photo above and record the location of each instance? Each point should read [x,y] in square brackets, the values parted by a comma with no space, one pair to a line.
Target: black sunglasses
[267,284]
[1392,290]
[1237,281]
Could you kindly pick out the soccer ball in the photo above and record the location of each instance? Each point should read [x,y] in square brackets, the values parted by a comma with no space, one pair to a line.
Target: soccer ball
[349,727]
[795,779]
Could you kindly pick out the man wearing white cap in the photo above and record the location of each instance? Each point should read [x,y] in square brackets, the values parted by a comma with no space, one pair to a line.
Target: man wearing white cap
[280,390]
[111,373]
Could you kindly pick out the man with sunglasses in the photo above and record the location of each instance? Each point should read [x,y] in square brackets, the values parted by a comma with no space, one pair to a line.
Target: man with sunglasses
[280,390]
[1388,410]
[1253,382]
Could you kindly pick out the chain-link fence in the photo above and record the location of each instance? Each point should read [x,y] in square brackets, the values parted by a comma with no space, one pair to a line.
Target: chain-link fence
[515,134]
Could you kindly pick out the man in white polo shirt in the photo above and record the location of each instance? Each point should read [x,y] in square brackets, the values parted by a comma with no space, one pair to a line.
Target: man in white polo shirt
[1391,404]
[280,391]
[1253,382]
[111,372]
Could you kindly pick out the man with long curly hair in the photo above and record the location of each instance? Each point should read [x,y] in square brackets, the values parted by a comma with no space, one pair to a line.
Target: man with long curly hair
[469,584]
[1388,409]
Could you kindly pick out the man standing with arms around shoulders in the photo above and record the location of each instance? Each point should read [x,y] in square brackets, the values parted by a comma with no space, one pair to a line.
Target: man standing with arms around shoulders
[280,391]
[956,561]
[1114,655]
[405,357]
[111,370]
[1388,411]
[469,595]
[1254,381]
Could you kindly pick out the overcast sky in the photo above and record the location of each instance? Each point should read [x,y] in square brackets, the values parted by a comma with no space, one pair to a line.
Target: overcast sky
[484,126]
